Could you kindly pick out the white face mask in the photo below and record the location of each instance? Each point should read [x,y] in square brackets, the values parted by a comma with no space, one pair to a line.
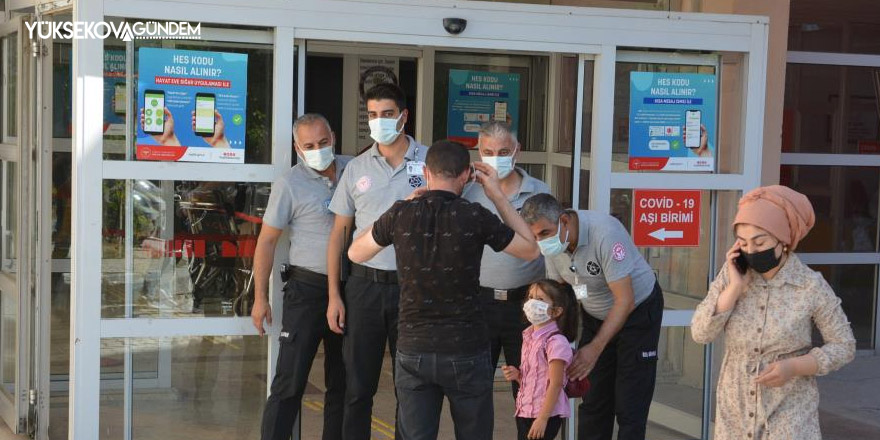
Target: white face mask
[502,164]
[319,159]
[384,130]
[536,311]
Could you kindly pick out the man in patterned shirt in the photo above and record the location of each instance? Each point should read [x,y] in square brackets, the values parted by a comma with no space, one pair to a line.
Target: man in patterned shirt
[443,343]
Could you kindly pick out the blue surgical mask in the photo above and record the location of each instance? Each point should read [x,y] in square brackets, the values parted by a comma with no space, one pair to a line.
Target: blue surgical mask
[502,164]
[551,246]
[384,130]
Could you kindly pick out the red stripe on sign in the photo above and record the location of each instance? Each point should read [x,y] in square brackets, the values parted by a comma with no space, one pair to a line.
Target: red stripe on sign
[159,152]
[194,82]
[647,163]
[469,142]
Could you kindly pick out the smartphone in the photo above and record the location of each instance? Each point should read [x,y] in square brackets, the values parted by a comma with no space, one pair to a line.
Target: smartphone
[154,111]
[741,264]
[692,128]
[500,111]
[205,105]
[119,100]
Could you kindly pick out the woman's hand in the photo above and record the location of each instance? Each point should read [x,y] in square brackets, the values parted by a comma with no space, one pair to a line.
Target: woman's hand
[737,282]
[776,374]
[736,279]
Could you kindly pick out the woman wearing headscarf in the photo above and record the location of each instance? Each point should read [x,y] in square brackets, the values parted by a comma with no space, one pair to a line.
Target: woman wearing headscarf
[767,387]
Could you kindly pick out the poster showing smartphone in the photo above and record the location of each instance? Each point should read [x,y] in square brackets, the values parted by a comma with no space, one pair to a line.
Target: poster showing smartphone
[154,111]
[205,105]
[692,128]
[500,111]
[119,98]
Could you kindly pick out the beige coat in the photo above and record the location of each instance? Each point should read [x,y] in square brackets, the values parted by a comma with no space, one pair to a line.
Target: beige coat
[771,321]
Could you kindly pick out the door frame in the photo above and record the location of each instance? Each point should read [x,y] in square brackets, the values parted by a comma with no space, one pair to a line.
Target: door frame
[17,149]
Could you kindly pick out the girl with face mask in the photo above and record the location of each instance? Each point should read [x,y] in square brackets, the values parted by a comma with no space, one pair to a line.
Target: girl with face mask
[766,301]
[541,404]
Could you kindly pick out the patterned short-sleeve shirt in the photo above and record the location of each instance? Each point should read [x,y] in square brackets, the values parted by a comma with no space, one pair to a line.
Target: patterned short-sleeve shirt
[438,241]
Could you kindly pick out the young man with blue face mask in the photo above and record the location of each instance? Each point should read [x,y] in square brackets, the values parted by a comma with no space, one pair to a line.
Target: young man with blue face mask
[299,201]
[505,279]
[622,308]
[390,170]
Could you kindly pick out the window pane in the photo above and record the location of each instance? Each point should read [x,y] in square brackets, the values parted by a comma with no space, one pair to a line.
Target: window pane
[62,91]
[201,386]
[679,386]
[192,247]
[684,272]
[621,134]
[822,26]
[567,104]
[11,84]
[856,285]
[815,119]
[845,202]
[338,96]
[258,102]
[11,199]
[8,336]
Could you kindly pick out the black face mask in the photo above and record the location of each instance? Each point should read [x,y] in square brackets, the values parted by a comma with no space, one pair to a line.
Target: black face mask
[763,261]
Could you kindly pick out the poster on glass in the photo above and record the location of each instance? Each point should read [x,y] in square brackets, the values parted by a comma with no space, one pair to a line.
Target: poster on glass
[672,122]
[191,105]
[478,97]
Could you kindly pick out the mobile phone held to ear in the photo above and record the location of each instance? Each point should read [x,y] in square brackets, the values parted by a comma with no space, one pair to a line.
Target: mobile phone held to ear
[741,264]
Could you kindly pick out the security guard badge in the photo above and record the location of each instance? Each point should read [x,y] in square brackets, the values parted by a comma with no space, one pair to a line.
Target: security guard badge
[580,290]
[416,171]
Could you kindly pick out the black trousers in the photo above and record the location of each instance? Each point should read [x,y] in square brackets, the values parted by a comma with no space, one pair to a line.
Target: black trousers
[506,323]
[370,321]
[523,425]
[303,327]
[624,376]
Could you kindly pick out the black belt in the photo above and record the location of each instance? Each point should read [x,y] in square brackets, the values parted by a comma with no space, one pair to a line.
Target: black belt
[306,276]
[515,294]
[375,275]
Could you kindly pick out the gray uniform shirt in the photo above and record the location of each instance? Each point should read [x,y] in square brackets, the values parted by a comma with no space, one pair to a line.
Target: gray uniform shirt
[300,199]
[369,187]
[605,253]
[498,269]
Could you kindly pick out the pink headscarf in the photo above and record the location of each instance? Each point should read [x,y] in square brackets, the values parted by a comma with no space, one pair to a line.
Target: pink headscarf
[780,210]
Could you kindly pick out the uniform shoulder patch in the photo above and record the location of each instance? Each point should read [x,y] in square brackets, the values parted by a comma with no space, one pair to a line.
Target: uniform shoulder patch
[618,252]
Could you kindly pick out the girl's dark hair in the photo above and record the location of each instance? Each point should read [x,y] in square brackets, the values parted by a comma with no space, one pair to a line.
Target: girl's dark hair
[562,295]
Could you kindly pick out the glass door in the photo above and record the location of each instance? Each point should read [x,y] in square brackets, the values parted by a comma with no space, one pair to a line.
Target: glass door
[16,303]
[10,304]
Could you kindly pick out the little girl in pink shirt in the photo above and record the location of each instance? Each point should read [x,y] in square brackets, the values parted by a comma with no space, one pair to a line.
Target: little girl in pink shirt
[541,403]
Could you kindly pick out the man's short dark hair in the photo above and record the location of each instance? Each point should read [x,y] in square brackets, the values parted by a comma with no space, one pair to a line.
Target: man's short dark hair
[447,159]
[387,91]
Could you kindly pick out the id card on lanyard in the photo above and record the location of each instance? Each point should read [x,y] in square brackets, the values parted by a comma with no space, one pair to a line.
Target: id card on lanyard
[580,290]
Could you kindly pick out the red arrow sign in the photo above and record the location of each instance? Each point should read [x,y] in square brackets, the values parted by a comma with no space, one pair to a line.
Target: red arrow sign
[666,217]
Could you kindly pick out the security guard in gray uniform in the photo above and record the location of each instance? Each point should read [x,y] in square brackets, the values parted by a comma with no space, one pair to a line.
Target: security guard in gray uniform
[504,279]
[622,308]
[388,171]
[299,201]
